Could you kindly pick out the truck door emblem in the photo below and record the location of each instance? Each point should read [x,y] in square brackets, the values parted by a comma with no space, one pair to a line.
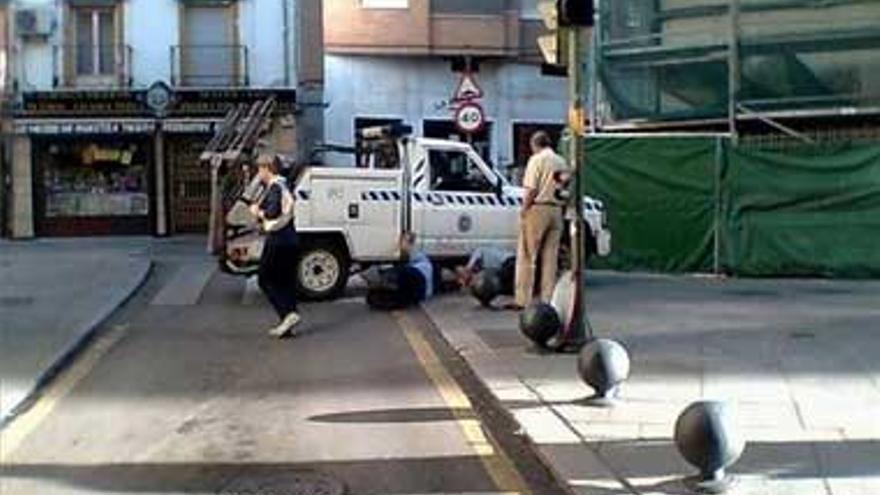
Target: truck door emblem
[336,194]
[465,223]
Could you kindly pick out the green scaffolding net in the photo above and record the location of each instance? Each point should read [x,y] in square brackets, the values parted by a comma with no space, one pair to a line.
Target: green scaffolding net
[701,204]
[659,197]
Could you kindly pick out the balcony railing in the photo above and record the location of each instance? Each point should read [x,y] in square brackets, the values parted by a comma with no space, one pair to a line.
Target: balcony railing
[209,65]
[92,66]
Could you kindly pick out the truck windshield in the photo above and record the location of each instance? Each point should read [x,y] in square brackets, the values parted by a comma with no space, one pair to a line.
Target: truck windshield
[453,170]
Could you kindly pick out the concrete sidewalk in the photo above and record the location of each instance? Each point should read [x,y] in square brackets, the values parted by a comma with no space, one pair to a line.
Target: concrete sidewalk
[798,359]
[53,294]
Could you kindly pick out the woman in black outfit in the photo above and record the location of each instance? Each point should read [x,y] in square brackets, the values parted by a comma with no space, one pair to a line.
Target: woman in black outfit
[277,273]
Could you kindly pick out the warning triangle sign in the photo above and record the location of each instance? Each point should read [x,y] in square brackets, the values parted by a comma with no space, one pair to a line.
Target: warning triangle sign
[468,89]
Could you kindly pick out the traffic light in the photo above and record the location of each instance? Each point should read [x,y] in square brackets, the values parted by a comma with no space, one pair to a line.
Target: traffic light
[559,17]
[575,12]
[553,45]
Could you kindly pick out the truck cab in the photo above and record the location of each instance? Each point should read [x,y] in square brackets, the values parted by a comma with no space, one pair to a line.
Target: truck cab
[441,190]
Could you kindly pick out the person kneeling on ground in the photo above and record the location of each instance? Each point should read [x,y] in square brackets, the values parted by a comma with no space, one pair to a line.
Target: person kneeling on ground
[501,261]
[406,284]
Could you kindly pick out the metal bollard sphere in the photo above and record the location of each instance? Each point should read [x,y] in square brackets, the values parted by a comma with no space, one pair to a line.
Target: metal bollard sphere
[486,286]
[604,364]
[707,436]
[539,323]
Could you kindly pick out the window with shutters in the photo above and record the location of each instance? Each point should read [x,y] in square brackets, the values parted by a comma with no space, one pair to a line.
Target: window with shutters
[210,54]
[95,34]
[93,51]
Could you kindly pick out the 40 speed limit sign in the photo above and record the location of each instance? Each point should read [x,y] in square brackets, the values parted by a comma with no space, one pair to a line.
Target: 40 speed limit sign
[470,118]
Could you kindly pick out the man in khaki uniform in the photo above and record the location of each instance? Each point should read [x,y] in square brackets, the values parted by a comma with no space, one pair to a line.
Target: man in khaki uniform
[541,221]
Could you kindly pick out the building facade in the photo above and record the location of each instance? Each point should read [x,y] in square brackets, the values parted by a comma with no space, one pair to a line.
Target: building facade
[402,60]
[114,100]
[717,62]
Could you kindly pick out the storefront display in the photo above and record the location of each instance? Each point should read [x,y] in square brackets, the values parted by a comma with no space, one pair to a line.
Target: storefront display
[88,179]
[93,185]
[121,162]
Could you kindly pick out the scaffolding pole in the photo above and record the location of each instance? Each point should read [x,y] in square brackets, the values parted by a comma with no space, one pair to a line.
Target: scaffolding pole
[733,66]
[719,175]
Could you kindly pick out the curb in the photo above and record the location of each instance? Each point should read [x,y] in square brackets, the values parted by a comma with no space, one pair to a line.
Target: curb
[80,341]
[561,477]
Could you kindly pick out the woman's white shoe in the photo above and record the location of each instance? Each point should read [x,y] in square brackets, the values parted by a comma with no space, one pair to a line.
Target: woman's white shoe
[287,325]
[275,331]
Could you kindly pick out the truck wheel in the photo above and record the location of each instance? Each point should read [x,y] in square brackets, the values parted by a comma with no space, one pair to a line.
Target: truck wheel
[322,270]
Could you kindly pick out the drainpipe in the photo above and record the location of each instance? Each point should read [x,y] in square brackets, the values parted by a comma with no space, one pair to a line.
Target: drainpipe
[299,37]
[285,7]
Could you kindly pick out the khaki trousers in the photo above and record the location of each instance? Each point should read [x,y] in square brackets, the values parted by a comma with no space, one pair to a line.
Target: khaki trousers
[539,237]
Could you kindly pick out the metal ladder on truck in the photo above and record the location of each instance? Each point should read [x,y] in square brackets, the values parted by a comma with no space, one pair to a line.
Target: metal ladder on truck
[236,140]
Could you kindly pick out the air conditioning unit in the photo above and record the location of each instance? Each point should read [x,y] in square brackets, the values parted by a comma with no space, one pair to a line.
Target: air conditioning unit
[34,22]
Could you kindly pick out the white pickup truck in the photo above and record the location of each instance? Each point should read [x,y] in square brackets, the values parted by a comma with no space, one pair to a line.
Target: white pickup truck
[441,190]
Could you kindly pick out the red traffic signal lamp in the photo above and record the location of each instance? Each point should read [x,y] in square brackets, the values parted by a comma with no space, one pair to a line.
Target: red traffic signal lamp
[575,12]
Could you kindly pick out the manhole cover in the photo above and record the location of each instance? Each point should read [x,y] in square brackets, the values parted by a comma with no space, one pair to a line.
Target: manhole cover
[300,483]
[15,301]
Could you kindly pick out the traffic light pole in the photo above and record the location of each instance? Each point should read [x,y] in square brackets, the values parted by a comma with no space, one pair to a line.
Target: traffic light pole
[576,335]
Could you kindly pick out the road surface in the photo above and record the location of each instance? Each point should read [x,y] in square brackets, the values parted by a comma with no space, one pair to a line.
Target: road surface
[182,392]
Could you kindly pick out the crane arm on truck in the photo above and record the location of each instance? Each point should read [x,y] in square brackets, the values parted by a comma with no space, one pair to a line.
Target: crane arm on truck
[235,141]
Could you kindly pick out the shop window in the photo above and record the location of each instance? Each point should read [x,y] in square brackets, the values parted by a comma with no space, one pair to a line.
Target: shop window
[92,179]
[95,42]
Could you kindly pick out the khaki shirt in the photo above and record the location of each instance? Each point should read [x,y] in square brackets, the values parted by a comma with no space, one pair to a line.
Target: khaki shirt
[542,176]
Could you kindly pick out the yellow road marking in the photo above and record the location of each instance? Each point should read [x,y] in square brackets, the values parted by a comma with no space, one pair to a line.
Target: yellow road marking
[17,431]
[495,460]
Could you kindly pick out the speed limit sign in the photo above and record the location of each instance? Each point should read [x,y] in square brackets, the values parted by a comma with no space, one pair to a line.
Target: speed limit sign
[470,118]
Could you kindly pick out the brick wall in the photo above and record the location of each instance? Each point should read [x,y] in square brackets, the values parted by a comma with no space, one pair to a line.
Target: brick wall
[490,30]
[348,28]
